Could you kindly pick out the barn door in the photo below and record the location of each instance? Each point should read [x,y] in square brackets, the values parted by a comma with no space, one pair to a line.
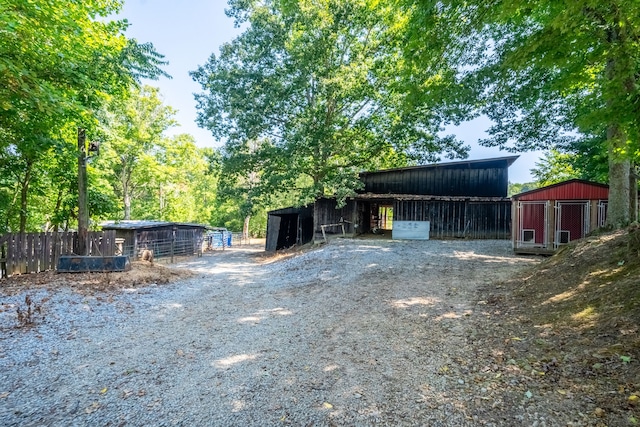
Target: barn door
[572,221]
[273,231]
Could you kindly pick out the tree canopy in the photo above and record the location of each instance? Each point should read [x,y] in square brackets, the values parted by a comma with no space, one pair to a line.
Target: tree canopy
[60,62]
[316,84]
[550,74]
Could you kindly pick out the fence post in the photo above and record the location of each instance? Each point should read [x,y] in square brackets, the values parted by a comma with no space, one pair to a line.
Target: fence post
[3,261]
[173,242]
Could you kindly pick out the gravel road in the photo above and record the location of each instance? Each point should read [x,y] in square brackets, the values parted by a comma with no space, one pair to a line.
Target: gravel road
[355,333]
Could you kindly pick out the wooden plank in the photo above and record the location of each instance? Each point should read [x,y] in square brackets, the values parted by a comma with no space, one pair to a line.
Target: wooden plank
[31,252]
[10,254]
[46,250]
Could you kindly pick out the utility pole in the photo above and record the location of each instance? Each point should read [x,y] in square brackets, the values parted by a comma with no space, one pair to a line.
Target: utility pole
[83,209]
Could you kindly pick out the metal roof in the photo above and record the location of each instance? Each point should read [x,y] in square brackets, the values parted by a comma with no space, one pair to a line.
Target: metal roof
[573,189]
[146,224]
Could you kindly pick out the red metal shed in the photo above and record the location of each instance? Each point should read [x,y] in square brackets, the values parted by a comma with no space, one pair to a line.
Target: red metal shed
[548,217]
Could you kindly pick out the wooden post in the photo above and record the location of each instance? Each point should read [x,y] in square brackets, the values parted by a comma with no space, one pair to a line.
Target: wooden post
[83,209]
[173,242]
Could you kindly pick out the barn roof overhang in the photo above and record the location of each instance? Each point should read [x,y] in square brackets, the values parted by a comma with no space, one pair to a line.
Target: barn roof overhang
[419,197]
[148,224]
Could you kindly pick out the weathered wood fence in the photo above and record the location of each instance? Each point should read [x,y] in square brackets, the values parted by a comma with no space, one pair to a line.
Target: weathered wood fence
[36,252]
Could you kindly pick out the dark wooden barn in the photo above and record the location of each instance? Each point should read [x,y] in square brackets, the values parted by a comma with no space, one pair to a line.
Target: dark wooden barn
[289,226]
[466,199]
[470,178]
[163,238]
[546,218]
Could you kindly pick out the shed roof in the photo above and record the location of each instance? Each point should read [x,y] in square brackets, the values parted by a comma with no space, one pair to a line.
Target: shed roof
[463,164]
[147,224]
[573,189]
[292,210]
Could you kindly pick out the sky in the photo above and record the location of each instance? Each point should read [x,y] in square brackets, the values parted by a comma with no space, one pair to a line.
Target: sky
[189,31]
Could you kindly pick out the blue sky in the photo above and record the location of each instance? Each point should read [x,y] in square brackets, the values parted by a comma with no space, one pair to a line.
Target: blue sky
[189,31]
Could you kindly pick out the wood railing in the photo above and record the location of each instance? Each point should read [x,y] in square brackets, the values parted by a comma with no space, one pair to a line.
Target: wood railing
[36,252]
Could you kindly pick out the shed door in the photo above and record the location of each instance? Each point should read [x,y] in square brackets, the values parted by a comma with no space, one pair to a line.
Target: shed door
[273,231]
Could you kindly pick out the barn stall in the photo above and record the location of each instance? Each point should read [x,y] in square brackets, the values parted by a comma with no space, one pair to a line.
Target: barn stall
[165,239]
[288,227]
[546,218]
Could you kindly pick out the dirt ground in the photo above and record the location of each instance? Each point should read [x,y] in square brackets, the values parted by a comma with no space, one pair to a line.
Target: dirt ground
[141,273]
[501,340]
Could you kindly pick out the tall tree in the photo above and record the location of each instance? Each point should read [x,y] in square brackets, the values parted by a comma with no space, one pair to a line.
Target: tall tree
[135,128]
[549,73]
[59,61]
[314,81]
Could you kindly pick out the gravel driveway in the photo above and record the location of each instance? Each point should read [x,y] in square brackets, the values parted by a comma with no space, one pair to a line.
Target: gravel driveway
[355,333]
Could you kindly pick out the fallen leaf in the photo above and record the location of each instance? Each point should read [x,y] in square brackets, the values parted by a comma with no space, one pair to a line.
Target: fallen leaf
[599,412]
[327,405]
[4,395]
[94,407]
[103,391]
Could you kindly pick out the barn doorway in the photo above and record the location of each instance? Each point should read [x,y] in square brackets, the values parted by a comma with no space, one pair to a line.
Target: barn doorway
[381,217]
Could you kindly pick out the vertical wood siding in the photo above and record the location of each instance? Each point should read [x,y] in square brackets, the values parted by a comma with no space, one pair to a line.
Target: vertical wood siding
[326,212]
[457,219]
[476,182]
[37,252]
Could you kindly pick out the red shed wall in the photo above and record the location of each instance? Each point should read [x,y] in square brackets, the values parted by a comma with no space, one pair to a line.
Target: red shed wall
[568,191]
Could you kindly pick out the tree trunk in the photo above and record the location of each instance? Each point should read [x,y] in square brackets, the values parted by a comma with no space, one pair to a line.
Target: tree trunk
[619,166]
[633,194]
[127,204]
[245,227]
[24,192]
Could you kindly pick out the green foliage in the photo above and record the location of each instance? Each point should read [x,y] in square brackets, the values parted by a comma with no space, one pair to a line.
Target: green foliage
[59,63]
[134,128]
[559,74]
[314,84]
[516,188]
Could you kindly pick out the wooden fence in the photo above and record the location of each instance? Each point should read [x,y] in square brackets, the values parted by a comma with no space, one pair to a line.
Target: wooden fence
[36,252]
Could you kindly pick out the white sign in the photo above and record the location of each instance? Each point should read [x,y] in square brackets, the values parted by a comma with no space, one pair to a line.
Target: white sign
[411,230]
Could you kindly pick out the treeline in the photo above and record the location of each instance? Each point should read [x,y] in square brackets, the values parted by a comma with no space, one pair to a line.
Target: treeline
[310,94]
[65,66]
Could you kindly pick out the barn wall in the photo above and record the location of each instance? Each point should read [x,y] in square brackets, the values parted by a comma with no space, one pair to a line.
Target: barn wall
[440,181]
[456,219]
[326,212]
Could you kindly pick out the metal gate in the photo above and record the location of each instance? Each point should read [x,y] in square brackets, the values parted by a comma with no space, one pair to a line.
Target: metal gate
[532,224]
[572,221]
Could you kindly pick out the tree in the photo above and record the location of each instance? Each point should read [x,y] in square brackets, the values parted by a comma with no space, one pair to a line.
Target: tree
[314,82]
[135,130]
[59,62]
[549,74]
